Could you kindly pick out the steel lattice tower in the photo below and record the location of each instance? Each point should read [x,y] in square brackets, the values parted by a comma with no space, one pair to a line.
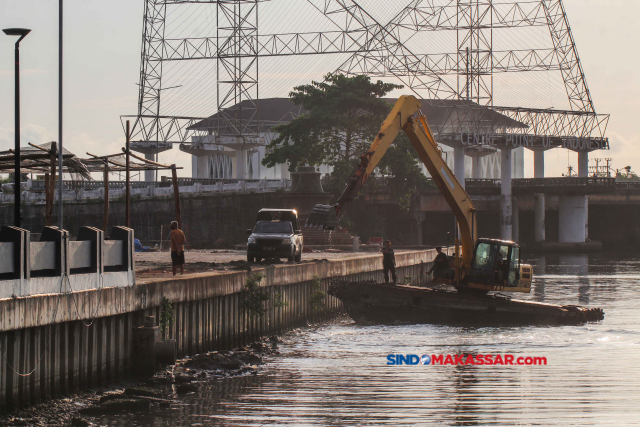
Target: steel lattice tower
[237,66]
[378,45]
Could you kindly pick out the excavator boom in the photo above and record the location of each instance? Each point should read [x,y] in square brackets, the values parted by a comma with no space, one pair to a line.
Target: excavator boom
[326,216]
[488,265]
[401,118]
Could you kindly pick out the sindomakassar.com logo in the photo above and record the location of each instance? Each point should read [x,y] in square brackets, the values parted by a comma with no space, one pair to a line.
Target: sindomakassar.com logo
[464,359]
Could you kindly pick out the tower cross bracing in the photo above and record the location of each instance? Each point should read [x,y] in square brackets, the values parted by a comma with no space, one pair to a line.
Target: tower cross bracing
[518,58]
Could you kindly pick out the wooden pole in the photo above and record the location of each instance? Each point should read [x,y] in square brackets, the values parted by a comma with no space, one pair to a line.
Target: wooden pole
[176,194]
[105,221]
[128,193]
[47,195]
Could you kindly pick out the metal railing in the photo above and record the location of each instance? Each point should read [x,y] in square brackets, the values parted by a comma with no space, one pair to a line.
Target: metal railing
[38,185]
[597,183]
[564,182]
[87,190]
[214,181]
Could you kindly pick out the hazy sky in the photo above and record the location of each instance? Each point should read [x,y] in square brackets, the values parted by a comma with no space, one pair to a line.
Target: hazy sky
[102,63]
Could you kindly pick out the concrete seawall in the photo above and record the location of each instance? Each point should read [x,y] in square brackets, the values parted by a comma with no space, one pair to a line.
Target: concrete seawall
[67,342]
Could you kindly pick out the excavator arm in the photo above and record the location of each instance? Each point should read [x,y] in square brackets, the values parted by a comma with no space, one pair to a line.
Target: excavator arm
[326,216]
[402,118]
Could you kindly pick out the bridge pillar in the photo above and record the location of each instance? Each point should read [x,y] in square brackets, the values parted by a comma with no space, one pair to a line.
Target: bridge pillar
[539,217]
[515,219]
[506,202]
[458,164]
[150,149]
[538,164]
[583,164]
[573,219]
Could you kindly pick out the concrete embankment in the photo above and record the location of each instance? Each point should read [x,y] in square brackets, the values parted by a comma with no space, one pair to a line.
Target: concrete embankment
[55,344]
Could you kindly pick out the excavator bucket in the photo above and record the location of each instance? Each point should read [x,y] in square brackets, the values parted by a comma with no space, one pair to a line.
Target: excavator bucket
[323,217]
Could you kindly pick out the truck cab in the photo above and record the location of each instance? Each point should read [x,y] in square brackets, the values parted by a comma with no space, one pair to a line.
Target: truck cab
[276,234]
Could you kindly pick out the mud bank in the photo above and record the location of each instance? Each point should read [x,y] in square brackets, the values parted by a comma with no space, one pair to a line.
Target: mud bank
[146,395]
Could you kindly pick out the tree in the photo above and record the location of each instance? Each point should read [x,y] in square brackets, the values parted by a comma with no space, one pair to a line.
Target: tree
[400,162]
[343,116]
[627,175]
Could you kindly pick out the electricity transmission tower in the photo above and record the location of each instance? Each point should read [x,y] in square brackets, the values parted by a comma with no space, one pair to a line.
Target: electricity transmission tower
[471,56]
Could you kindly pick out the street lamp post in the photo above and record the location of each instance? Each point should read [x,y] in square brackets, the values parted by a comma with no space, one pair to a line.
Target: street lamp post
[22,33]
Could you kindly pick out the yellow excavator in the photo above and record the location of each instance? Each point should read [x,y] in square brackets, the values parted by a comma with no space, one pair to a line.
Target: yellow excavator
[479,264]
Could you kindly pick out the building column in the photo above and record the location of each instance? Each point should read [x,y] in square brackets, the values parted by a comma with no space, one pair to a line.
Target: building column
[583,164]
[150,176]
[573,219]
[284,171]
[458,164]
[476,167]
[241,164]
[538,164]
[539,217]
[506,230]
[194,167]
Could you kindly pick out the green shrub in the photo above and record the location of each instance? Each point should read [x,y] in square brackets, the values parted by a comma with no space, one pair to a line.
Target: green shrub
[254,296]
[316,300]
[166,318]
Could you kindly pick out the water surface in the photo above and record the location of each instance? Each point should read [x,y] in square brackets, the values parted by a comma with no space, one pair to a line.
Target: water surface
[336,374]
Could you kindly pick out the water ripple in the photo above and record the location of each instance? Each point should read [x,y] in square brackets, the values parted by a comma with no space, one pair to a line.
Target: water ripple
[336,374]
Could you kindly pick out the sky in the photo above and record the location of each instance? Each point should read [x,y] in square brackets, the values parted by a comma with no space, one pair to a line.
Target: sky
[102,66]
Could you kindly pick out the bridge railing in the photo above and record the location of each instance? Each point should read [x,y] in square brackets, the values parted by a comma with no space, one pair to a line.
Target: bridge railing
[628,185]
[88,190]
[552,185]
[564,182]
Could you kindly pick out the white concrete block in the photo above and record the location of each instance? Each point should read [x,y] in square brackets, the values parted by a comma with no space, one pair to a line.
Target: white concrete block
[43,256]
[6,257]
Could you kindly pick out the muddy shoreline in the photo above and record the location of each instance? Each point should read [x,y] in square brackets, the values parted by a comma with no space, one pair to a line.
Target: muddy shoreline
[162,390]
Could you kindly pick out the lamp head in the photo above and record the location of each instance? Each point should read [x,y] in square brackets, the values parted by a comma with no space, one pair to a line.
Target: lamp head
[22,32]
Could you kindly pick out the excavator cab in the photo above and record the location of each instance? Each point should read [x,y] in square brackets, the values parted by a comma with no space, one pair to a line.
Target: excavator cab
[496,266]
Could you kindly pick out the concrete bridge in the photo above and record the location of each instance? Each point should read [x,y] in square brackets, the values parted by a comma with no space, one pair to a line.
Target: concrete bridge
[541,209]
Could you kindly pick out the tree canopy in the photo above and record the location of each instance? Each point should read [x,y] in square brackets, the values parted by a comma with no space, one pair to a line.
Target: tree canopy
[343,116]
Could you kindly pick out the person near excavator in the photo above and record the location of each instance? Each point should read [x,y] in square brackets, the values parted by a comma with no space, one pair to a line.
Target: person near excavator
[440,263]
[388,262]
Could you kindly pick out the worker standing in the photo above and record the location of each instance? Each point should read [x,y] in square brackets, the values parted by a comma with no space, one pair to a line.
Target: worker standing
[440,263]
[178,240]
[388,262]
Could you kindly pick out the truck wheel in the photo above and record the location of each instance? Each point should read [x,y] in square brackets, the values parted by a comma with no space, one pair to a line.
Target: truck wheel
[250,258]
[298,257]
[258,259]
[291,258]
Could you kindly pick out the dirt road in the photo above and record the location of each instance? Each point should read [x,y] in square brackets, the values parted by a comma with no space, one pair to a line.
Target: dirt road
[152,265]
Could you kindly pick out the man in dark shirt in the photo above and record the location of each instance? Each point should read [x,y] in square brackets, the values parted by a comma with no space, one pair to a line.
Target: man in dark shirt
[440,263]
[388,262]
